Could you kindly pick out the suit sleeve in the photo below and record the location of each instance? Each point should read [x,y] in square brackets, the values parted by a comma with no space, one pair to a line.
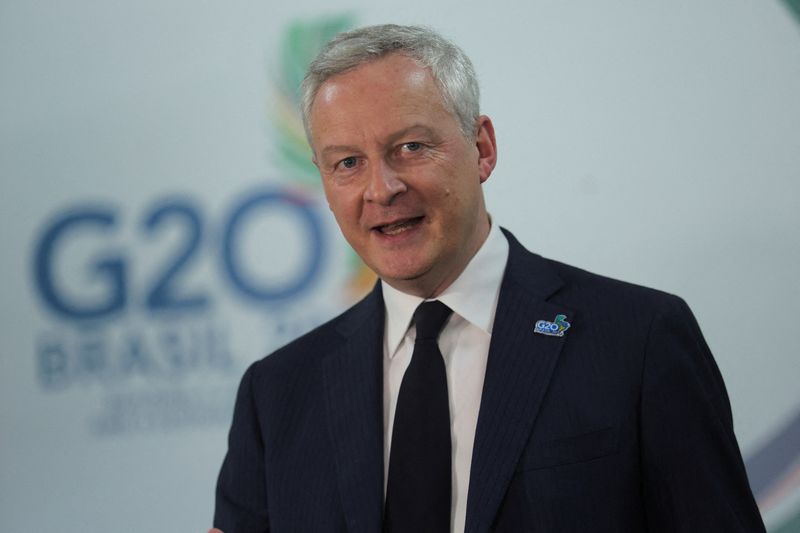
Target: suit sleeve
[693,474]
[241,497]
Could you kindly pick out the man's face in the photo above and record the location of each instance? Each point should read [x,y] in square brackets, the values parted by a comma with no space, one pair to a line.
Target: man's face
[400,177]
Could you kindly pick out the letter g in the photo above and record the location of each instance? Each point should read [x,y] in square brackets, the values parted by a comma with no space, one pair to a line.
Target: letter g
[109,268]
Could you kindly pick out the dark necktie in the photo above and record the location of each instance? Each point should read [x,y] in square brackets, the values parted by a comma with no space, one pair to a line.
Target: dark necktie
[419,486]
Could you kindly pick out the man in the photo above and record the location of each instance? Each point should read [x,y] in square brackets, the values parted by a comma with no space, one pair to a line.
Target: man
[544,398]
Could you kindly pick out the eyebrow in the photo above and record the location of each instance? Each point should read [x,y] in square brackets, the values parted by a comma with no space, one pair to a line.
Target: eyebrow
[340,148]
[334,148]
[405,131]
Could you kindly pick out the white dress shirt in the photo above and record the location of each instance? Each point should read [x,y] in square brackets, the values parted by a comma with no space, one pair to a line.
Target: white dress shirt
[464,343]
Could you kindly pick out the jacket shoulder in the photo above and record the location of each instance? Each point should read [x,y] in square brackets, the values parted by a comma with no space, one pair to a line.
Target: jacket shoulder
[308,349]
[577,288]
[578,281]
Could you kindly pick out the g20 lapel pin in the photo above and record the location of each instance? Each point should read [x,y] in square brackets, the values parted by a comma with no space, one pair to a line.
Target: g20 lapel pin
[556,328]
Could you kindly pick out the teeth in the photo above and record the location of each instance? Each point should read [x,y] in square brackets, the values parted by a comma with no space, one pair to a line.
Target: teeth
[397,228]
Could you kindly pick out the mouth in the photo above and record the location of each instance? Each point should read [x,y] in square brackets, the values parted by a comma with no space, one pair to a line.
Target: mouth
[399,226]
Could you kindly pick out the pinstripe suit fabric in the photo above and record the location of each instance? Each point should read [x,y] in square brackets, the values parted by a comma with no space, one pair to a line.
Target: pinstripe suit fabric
[622,425]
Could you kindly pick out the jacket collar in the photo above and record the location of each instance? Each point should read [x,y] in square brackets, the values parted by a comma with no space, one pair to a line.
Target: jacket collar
[518,372]
[352,379]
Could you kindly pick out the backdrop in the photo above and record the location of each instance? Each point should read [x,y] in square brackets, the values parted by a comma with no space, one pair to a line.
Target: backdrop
[161,226]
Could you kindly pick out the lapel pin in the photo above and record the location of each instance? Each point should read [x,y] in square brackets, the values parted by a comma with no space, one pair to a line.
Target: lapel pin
[556,328]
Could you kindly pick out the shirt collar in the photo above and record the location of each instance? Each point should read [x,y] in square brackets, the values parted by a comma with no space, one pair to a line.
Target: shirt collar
[472,296]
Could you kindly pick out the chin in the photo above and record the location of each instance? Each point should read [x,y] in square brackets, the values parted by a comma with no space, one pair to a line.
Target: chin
[409,265]
[398,275]
[398,271]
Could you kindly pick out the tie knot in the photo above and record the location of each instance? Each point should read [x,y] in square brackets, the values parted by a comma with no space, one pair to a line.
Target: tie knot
[429,319]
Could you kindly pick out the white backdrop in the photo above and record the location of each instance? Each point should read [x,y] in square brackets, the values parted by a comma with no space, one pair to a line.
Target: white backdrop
[160,231]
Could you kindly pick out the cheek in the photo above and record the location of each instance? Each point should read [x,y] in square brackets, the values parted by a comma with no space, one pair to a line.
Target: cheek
[346,210]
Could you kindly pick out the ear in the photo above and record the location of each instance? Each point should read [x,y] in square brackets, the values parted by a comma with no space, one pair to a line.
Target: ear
[487,147]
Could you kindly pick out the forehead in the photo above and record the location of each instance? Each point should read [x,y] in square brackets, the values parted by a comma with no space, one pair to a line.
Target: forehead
[387,74]
[378,96]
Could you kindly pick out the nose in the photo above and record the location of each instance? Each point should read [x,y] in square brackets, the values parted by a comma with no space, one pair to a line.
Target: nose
[384,184]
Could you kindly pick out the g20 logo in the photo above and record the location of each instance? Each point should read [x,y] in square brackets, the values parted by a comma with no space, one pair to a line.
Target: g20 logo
[113,269]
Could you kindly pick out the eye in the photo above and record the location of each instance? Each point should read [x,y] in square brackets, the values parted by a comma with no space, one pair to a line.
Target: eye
[412,146]
[348,162]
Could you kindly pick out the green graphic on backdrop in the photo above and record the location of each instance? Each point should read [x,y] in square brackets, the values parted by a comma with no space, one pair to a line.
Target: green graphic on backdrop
[301,42]
[790,526]
[794,7]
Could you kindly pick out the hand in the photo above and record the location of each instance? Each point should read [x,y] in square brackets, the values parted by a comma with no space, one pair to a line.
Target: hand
[214,530]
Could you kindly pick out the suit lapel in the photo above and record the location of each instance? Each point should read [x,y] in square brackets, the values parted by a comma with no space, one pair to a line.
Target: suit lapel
[354,398]
[518,371]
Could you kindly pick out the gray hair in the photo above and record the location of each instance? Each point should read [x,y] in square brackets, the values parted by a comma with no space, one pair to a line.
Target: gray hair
[451,68]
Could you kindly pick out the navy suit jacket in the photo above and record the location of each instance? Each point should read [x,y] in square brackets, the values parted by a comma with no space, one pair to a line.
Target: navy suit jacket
[621,425]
